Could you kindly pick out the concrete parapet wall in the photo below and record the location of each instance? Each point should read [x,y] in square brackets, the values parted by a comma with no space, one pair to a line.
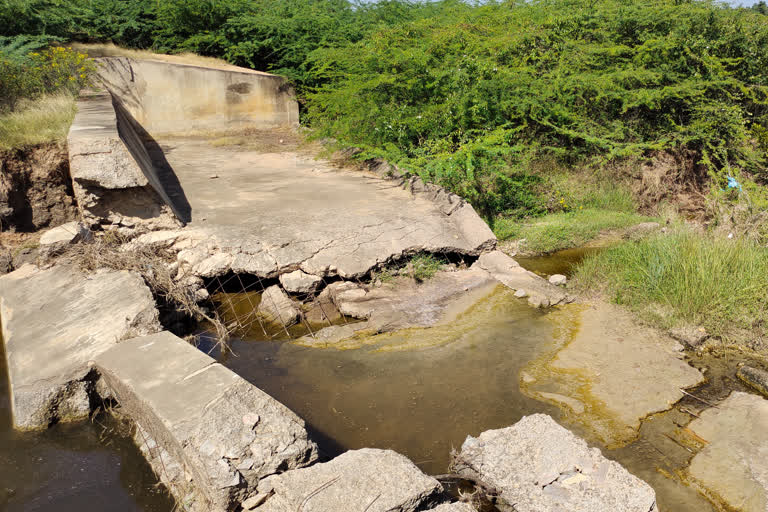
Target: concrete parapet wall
[179,98]
[110,186]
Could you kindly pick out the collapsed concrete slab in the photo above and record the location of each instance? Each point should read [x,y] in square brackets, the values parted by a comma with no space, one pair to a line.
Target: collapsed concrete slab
[732,467]
[538,466]
[270,214]
[611,373]
[53,322]
[403,303]
[540,293]
[219,433]
[109,184]
[368,479]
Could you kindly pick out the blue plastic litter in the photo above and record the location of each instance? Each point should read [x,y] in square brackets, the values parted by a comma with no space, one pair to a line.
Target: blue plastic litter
[732,183]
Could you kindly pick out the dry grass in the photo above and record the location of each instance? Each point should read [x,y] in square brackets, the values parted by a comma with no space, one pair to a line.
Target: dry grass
[154,265]
[46,119]
[191,59]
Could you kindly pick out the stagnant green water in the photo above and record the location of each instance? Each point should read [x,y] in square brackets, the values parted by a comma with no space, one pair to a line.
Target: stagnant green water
[85,466]
[422,391]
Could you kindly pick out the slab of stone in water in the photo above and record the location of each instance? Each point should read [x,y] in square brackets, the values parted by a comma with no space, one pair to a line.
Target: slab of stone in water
[611,373]
[732,467]
[54,321]
[222,433]
[367,479]
[538,466]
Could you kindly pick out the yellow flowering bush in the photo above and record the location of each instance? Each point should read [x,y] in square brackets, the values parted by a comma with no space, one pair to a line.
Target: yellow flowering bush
[53,69]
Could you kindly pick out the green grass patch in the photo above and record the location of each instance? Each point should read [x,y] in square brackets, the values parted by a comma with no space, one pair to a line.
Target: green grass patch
[684,278]
[46,119]
[425,266]
[563,230]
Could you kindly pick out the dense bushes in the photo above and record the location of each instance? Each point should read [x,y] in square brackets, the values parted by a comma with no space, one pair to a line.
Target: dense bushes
[471,96]
[500,85]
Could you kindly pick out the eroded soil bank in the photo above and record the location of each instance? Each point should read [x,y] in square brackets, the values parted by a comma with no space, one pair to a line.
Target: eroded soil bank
[35,188]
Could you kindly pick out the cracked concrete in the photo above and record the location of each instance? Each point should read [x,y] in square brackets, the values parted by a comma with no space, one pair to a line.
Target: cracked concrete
[218,434]
[53,321]
[538,466]
[271,213]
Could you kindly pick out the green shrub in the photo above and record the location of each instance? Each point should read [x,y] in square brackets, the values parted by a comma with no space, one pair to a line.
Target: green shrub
[54,69]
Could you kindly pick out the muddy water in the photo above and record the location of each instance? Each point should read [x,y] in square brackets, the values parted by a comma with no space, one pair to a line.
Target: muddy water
[422,391]
[79,467]
[561,262]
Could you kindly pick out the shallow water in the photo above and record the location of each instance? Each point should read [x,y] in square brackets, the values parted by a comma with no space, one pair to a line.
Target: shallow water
[78,467]
[422,391]
[561,262]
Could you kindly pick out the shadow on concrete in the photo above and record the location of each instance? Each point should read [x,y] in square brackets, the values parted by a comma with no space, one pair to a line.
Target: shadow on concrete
[151,159]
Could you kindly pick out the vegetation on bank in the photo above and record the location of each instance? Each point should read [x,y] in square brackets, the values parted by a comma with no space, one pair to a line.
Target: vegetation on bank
[685,278]
[38,84]
[37,121]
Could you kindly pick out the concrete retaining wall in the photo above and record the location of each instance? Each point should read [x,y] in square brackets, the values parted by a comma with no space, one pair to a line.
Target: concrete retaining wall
[178,98]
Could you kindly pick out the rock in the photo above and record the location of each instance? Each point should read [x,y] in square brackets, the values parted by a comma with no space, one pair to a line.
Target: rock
[691,336]
[732,467]
[6,260]
[218,428]
[558,279]
[26,255]
[403,303]
[521,294]
[511,274]
[367,479]
[254,501]
[277,308]
[453,507]
[299,282]
[754,378]
[619,370]
[68,233]
[48,353]
[538,466]
[538,301]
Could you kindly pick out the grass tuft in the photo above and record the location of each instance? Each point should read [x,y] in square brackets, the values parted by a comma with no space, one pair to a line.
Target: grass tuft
[425,266]
[684,278]
[46,119]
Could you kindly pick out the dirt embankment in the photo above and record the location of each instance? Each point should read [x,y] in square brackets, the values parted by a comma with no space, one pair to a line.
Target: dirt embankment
[35,188]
